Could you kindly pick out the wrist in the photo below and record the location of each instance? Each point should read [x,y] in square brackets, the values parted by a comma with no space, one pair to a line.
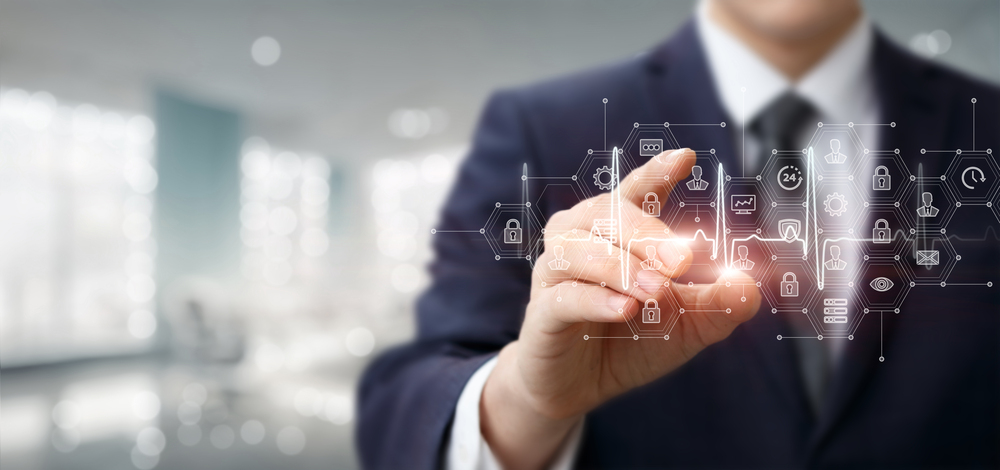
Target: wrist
[519,434]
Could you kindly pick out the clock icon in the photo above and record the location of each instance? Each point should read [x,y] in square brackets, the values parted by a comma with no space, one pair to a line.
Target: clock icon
[789,177]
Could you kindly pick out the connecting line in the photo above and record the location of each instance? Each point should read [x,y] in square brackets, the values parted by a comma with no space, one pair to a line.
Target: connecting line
[677,320]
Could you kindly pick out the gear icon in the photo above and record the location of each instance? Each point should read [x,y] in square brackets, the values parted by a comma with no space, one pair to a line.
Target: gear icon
[603,178]
[835,204]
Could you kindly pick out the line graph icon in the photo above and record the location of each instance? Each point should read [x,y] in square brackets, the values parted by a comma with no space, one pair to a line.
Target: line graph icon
[743,204]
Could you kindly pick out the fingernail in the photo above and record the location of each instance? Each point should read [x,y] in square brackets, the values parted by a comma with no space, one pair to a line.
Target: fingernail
[649,281]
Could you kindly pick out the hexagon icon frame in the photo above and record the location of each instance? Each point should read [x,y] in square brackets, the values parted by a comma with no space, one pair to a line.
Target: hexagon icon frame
[900,177]
[823,168]
[635,135]
[958,179]
[529,247]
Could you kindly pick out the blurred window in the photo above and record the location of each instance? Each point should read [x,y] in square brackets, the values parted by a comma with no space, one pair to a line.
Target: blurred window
[76,246]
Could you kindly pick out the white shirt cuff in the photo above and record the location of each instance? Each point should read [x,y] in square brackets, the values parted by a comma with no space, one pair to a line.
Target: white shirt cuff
[467,450]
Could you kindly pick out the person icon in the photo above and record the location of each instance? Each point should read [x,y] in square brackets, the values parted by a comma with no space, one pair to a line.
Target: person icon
[651,263]
[743,264]
[696,183]
[835,263]
[558,264]
[835,156]
[927,210]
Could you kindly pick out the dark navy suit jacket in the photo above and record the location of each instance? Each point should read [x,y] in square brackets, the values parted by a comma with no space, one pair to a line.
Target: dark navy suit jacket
[934,402]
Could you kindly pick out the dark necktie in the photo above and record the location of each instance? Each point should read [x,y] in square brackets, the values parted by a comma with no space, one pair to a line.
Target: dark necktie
[778,127]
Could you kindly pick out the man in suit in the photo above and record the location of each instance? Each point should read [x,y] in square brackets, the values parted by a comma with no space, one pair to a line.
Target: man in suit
[500,374]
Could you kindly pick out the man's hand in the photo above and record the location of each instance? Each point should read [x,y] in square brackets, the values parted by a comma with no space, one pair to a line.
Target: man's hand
[550,377]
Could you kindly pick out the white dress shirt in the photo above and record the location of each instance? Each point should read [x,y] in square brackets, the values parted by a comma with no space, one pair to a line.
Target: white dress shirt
[841,87]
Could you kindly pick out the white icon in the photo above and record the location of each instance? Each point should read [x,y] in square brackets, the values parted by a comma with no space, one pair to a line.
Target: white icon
[881,233]
[881,181]
[743,204]
[651,314]
[651,263]
[743,264]
[835,157]
[789,177]
[835,263]
[928,257]
[650,147]
[789,285]
[881,284]
[605,231]
[973,169]
[512,234]
[558,264]
[834,310]
[835,204]
[789,229]
[927,210]
[603,178]
[651,205]
[696,183]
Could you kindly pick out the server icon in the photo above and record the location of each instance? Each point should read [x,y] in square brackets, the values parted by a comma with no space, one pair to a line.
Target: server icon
[834,310]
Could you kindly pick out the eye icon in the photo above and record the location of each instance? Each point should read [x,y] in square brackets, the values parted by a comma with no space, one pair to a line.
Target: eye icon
[881,284]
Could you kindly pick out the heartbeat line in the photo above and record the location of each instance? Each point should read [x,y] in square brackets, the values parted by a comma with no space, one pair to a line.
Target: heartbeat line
[720,238]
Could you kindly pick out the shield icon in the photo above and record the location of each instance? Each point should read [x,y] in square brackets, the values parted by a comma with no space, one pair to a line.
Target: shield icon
[790,229]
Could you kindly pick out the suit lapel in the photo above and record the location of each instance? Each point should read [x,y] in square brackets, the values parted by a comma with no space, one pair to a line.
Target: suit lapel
[681,89]
[903,85]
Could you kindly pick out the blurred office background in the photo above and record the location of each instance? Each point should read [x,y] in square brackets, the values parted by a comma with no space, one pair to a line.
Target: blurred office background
[213,215]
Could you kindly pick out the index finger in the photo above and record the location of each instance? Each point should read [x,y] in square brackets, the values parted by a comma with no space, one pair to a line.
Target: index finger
[674,164]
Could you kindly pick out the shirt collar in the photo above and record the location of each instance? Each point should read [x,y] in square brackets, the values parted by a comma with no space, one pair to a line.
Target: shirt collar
[840,86]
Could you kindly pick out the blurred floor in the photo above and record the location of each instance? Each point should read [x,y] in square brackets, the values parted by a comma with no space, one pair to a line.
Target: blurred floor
[305,420]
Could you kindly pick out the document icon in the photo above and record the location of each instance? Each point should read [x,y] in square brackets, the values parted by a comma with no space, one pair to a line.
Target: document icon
[928,257]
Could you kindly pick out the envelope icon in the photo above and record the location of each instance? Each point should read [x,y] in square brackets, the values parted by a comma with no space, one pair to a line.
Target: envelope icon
[928,257]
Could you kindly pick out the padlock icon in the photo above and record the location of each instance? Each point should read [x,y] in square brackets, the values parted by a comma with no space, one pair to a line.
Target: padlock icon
[789,285]
[881,233]
[512,234]
[881,181]
[651,314]
[651,205]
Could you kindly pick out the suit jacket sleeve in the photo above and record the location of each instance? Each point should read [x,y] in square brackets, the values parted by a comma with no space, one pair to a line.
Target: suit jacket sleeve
[474,306]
